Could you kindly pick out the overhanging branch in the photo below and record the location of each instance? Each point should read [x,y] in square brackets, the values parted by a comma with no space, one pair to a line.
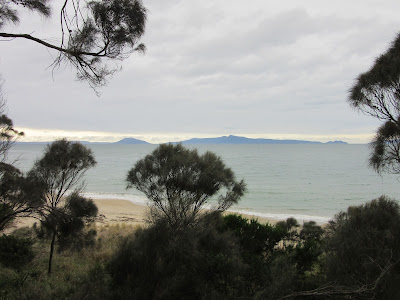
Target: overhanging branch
[61,49]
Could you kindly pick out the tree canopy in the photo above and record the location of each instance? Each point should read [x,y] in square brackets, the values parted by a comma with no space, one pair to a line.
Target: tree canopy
[60,170]
[20,196]
[180,182]
[15,198]
[92,32]
[8,134]
[377,93]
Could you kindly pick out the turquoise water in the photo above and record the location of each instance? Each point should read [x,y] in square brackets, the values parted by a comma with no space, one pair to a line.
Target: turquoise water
[304,181]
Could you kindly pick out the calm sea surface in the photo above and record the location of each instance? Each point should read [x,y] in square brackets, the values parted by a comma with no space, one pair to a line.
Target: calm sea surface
[304,181]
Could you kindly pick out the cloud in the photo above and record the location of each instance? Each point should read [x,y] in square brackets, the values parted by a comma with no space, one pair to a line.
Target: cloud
[259,67]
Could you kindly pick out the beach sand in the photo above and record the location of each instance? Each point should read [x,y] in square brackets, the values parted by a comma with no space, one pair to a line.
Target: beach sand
[124,211]
[113,211]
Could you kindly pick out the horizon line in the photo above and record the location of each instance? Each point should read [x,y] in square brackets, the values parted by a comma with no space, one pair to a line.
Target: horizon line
[48,135]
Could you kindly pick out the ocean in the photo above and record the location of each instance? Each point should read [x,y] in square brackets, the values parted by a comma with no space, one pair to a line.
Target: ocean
[305,181]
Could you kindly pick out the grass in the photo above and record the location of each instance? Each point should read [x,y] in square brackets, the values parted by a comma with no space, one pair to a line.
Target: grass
[72,271]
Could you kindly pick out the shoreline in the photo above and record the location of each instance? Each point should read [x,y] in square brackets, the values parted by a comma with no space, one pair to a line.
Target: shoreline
[123,211]
[113,211]
[273,217]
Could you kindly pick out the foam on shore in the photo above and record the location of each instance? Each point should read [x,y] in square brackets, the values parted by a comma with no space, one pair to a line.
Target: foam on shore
[274,217]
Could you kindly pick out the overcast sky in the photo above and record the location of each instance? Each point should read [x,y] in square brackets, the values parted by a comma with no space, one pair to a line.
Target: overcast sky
[272,69]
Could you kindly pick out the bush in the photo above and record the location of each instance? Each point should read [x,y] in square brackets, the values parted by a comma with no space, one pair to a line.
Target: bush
[278,255]
[15,252]
[161,263]
[363,249]
[255,238]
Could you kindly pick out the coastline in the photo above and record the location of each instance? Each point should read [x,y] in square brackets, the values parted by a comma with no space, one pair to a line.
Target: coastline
[114,211]
[123,211]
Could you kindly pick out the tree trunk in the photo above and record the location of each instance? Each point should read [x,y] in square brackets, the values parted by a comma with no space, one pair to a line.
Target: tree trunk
[53,240]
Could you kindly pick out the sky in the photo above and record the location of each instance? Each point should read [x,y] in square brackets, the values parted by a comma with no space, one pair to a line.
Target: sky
[260,69]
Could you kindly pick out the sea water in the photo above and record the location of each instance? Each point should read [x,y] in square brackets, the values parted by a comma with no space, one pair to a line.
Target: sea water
[305,181]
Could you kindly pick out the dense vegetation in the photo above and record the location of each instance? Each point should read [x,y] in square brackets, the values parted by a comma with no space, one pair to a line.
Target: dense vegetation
[221,257]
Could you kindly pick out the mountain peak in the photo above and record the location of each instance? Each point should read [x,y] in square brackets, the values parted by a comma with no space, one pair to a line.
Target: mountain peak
[131,141]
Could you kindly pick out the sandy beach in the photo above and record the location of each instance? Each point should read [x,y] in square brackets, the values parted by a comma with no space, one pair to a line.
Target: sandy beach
[124,211]
[114,211]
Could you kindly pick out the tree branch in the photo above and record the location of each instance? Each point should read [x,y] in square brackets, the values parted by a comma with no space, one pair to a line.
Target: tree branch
[60,49]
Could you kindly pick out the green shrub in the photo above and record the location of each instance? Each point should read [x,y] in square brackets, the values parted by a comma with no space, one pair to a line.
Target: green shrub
[15,252]
[363,249]
[160,263]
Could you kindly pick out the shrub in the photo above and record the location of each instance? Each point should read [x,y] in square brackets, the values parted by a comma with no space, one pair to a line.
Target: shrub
[161,263]
[15,252]
[363,249]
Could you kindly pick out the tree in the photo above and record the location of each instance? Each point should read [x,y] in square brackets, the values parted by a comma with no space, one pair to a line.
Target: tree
[91,35]
[179,182]
[69,221]
[363,250]
[377,93]
[8,134]
[15,199]
[20,196]
[61,169]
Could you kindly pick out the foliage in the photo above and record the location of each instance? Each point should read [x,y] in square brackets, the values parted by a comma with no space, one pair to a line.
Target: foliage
[179,182]
[7,135]
[290,226]
[8,14]
[309,247]
[69,222]
[19,196]
[160,263]
[363,249]
[217,258]
[91,35]
[278,256]
[77,275]
[282,278]
[255,238]
[257,243]
[12,182]
[377,93]
[61,169]
[15,252]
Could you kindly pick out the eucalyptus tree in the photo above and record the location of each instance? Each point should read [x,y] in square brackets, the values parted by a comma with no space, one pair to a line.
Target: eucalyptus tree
[377,93]
[61,170]
[8,134]
[93,33]
[13,184]
[180,182]
[20,196]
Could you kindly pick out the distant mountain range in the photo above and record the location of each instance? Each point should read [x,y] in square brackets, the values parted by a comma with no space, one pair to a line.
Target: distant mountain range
[231,139]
